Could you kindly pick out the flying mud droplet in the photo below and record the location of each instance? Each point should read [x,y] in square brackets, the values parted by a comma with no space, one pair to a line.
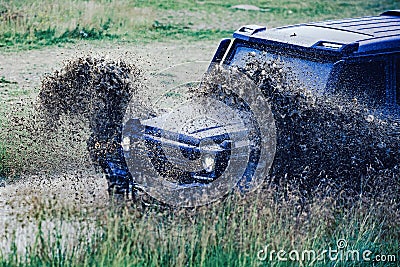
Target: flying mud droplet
[2,182]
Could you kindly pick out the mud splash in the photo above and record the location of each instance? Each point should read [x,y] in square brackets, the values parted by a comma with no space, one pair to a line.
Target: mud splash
[93,92]
[326,144]
[79,106]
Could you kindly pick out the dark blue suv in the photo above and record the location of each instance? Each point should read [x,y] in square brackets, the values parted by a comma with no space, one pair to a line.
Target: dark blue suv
[357,58]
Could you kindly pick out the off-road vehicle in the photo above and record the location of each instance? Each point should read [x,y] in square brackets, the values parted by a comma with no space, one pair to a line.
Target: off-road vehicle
[206,148]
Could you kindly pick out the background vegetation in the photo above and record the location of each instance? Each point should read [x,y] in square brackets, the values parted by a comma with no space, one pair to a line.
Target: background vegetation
[32,23]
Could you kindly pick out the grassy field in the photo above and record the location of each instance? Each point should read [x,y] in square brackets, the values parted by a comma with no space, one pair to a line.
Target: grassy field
[32,23]
[236,232]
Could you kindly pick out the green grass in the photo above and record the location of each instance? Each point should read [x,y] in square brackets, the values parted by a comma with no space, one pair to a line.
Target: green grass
[224,234]
[4,160]
[11,91]
[31,24]
[3,80]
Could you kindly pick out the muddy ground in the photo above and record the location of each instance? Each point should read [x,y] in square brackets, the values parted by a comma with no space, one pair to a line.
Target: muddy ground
[81,187]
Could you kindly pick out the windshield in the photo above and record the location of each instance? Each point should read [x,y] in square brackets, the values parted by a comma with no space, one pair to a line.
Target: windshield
[311,74]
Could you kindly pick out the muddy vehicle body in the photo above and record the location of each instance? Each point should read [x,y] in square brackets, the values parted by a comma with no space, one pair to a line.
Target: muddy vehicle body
[358,59]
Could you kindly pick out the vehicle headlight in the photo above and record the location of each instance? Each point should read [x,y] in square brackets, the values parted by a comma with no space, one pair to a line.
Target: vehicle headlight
[126,142]
[208,162]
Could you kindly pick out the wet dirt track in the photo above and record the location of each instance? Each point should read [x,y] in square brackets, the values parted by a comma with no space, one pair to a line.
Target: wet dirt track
[80,186]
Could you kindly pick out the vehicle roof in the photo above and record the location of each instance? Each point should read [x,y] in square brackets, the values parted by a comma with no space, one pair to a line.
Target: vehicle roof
[363,35]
